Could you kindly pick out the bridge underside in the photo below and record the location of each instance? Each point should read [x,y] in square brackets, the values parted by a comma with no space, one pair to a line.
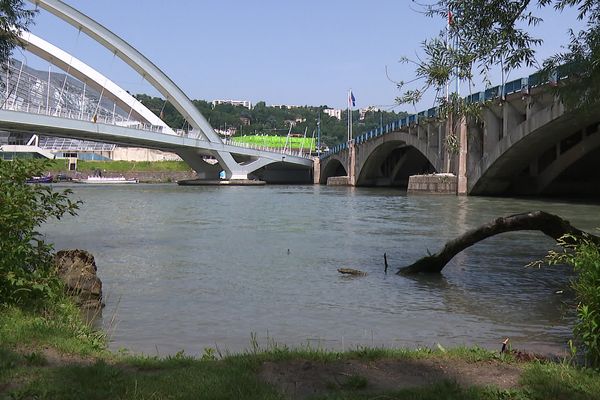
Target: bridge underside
[391,164]
[560,159]
[283,173]
[333,167]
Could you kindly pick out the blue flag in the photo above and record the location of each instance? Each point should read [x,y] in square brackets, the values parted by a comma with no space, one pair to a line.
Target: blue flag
[351,99]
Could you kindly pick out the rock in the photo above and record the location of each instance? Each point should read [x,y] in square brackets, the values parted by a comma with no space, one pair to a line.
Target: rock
[77,269]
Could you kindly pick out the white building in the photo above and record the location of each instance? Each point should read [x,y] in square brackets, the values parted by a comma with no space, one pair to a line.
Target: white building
[244,103]
[333,113]
[364,111]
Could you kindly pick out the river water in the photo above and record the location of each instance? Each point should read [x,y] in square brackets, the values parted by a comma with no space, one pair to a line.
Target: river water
[185,268]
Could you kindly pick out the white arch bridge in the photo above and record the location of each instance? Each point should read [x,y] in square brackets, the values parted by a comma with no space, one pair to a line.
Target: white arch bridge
[84,104]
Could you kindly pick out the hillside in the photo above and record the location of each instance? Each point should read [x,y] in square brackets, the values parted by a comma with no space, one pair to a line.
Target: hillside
[263,119]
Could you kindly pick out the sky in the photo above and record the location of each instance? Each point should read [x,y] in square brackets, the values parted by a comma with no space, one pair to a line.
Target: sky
[308,52]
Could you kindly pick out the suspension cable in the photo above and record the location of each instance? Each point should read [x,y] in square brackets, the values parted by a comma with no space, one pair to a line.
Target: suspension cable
[62,89]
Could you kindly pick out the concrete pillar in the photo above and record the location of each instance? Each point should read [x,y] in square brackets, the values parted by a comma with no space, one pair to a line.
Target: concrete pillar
[491,131]
[474,145]
[440,137]
[511,118]
[317,170]
[352,164]
[533,107]
[462,158]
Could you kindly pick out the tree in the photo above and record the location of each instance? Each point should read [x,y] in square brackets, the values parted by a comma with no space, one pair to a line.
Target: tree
[485,34]
[26,275]
[14,19]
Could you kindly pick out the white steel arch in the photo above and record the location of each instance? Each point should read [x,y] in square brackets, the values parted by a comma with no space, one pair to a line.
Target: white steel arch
[93,78]
[152,74]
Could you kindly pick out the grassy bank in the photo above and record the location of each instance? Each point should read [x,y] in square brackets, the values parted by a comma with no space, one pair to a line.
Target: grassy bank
[121,166]
[51,354]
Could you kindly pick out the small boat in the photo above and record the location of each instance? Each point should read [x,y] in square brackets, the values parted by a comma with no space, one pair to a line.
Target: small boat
[40,179]
[106,180]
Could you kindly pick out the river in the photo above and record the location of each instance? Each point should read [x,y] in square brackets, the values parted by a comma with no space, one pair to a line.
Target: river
[186,268]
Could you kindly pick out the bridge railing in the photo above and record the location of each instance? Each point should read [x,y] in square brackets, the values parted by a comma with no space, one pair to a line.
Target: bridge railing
[29,93]
[78,115]
[522,85]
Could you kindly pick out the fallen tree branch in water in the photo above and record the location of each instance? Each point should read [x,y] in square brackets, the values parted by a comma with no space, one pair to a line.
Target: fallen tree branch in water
[549,224]
[350,271]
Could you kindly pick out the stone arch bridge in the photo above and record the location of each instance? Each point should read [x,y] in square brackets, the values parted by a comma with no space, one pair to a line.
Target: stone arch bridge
[526,143]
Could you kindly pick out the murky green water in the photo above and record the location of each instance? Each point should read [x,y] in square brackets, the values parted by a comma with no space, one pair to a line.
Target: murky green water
[195,267]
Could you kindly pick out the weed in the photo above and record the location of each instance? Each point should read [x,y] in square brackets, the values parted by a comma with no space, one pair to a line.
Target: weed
[35,359]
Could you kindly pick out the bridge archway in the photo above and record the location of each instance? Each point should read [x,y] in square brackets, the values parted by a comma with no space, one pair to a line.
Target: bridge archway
[333,166]
[550,157]
[391,164]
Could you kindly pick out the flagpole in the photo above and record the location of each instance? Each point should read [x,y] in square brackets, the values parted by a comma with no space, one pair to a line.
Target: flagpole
[348,100]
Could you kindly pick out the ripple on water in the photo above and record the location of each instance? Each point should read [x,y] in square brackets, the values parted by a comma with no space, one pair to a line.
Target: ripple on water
[192,267]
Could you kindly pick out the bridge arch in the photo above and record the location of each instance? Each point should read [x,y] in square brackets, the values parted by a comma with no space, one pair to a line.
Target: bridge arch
[535,153]
[390,159]
[391,163]
[335,165]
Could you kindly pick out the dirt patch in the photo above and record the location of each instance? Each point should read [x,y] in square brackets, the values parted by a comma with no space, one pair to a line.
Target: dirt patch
[301,379]
[51,357]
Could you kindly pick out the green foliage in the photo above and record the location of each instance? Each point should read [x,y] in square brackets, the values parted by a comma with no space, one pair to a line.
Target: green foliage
[485,34]
[580,63]
[14,19]
[270,120]
[584,256]
[26,275]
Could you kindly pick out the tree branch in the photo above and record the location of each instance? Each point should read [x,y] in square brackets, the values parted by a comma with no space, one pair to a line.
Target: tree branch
[549,224]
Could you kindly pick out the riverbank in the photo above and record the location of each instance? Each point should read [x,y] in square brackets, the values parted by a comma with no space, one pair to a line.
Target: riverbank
[144,171]
[52,354]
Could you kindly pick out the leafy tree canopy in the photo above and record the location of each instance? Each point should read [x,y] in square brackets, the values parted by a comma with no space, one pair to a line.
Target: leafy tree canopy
[26,275]
[486,34]
[14,19]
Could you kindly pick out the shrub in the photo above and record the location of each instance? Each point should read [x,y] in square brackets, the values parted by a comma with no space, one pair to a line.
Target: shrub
[584,255]
[26,276]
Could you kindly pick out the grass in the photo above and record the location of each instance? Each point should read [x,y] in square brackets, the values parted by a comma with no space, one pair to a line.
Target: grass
[92,372]
[277,142]
[122,166]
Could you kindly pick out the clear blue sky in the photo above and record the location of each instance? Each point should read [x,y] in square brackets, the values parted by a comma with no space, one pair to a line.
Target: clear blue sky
[283,52]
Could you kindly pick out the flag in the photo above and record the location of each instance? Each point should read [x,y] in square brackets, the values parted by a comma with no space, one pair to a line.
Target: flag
[450,18]
[351,99]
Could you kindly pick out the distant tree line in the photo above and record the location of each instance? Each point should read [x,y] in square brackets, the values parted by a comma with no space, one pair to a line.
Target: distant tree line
[263,119]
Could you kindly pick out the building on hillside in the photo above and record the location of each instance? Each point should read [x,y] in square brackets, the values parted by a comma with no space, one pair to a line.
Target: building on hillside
[363,111]
[333,113]
[243,103]
[283,106]
[245,121]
